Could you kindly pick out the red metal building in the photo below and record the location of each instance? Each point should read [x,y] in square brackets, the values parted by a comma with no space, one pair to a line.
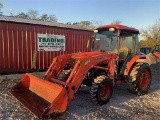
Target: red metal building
[18,41]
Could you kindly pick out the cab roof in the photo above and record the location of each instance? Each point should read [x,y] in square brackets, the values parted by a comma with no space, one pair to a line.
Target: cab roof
[120,27]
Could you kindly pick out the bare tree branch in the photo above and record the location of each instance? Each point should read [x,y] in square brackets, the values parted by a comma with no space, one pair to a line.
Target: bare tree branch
[33,14]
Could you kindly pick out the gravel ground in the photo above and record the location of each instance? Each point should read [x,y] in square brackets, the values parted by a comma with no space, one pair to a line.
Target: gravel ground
[123,105]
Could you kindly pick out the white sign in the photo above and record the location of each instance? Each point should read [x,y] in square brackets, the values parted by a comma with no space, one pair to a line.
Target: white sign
[47,42]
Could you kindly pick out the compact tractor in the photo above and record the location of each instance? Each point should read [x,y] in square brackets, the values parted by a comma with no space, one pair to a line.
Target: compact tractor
[113,60]
[156,51]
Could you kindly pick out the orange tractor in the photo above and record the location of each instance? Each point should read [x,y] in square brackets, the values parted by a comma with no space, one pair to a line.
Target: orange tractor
[156,51]
[113,60]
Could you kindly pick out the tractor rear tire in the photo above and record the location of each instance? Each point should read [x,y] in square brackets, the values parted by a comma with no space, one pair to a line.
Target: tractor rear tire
[101,91]
[140,79]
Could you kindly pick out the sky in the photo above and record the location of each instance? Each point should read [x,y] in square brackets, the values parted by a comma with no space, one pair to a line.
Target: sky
[136,13]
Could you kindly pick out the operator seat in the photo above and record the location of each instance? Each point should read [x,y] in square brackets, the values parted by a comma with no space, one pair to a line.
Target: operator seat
[123,53]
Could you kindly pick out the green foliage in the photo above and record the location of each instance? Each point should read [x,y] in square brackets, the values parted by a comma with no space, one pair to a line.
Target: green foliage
[147,43]
[44,17]
[87,24]
[33,14]
[52,18]
[75,23]
[151,35]
[22,15]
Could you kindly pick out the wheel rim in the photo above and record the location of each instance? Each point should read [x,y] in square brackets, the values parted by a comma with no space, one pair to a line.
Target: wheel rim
[145,79]
[105,92]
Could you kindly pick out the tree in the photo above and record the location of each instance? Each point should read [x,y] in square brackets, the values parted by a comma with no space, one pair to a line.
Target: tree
[22,15]
[33,14]
[52,18]
[86,24]
[44,17]
[76,23]
[1,6]
[151,35]
[70,23]
[116,22]
[97,23]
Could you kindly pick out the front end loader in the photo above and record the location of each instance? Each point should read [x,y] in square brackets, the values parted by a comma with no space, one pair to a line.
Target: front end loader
[53,93]
[113,60]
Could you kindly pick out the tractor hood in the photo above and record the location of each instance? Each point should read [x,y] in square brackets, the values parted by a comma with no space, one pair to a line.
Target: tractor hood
[91,54]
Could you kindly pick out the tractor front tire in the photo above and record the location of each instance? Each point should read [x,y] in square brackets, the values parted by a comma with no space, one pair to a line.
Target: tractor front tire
[101,91]
[140,79]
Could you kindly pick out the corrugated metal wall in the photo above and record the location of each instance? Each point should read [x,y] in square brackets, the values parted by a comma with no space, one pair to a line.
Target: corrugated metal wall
[18,41]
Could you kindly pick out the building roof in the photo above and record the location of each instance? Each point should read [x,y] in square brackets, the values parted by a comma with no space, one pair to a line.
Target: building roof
[120,27]
[39,22]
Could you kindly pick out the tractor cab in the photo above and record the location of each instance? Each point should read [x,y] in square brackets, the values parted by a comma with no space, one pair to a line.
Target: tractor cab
[118,39]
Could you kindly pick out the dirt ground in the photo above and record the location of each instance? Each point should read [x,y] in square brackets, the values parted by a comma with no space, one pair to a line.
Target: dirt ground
[123,105]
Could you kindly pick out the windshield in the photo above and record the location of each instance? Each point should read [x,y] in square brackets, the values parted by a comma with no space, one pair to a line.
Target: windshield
[105,41]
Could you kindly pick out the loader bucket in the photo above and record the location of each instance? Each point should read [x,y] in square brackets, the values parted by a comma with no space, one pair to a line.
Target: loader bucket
[41,97]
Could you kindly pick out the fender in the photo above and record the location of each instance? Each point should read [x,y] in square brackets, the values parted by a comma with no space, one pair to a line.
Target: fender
[131,62]
[157,54]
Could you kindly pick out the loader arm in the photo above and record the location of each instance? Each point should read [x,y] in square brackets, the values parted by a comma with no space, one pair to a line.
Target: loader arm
[82,64]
